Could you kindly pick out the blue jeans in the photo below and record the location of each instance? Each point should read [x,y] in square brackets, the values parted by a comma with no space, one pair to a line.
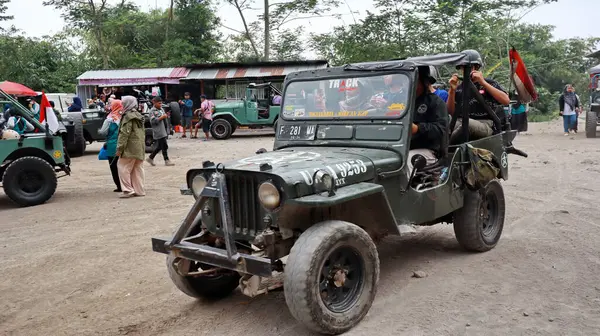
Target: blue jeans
[569,122]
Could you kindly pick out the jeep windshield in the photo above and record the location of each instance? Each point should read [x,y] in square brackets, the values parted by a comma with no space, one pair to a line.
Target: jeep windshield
[382,96]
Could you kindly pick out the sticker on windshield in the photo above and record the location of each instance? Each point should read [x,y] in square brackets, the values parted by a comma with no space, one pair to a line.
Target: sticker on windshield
[299,112]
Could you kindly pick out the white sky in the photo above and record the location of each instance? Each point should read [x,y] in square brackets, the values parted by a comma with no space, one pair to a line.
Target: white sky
[572,18]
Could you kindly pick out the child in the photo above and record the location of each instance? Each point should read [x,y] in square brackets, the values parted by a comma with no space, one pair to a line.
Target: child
[158,119]
[205,113]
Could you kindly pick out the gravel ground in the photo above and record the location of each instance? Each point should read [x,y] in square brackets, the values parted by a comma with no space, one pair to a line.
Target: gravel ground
[82,264]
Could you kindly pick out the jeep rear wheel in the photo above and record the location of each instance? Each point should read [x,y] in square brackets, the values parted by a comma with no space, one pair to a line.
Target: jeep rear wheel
[29,181]
[331,276]
[221,129]
[211,286]
[591,122]
[478,224]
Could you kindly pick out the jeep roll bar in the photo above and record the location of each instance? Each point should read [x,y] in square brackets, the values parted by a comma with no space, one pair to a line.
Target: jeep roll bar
[19,109]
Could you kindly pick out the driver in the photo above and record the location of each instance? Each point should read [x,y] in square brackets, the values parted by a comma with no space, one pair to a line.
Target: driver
[357,99]
[395,93]
[430,120]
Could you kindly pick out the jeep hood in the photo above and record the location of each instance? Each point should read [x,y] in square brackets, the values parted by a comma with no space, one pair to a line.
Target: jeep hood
[296,166]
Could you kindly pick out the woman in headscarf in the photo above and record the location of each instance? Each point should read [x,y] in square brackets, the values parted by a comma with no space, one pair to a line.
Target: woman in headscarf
[77,106]
[568,104]
[131,149]
[518,111]
[34,107]
[110,128]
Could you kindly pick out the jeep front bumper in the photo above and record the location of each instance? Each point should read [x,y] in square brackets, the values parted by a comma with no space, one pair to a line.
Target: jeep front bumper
[228,258]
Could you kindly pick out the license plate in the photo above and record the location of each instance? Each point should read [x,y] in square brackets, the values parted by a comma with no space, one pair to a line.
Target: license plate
[297,132]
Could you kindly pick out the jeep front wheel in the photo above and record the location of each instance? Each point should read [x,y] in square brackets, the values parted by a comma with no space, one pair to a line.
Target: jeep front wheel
[221,129]
[331,276]
[29,181]
[478,224]
[591,122]
[211,286]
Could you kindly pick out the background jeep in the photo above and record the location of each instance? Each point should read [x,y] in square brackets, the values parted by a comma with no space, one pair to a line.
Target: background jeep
[592,117]
[250,111]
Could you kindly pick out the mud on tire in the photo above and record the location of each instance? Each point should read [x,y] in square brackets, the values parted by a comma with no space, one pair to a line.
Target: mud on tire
[312,296]
[29,181]
[478,224]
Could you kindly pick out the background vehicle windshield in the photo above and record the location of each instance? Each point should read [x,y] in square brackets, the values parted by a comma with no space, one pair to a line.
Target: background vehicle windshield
[380,96]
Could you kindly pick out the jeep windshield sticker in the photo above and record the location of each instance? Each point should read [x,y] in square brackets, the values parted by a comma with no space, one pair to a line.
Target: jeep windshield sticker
[339,172]
[381,96]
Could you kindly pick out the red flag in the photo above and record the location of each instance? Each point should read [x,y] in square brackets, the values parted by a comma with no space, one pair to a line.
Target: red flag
[523,82]
[47,115]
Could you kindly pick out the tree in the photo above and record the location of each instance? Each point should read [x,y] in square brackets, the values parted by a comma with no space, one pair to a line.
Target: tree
[274,16]
[3,8]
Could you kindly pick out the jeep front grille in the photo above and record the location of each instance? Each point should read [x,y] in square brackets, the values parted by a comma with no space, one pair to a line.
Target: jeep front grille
[244,203]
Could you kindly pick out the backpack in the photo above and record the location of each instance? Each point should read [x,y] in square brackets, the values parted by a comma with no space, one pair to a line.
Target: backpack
[482,168]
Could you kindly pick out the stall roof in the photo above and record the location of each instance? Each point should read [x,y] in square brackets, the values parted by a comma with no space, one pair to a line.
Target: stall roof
[127,77]
[594,70]
[250,70]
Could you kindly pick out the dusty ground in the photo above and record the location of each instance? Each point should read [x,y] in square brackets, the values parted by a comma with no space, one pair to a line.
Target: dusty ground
[82,264]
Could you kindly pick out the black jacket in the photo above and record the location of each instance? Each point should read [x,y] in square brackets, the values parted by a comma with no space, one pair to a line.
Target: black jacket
[431,115]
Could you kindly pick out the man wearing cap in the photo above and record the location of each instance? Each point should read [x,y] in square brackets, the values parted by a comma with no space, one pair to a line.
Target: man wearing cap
[480,123]
[430,120]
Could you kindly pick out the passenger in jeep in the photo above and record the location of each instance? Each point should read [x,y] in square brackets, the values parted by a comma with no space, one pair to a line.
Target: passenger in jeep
[430,120]
[395,93]
[480,123]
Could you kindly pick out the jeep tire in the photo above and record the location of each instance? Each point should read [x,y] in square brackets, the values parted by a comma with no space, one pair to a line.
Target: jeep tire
[478,224]
[221,129]
[212,287]
[331,276]
[29,181]
[591,122]
[77,146]
[149,140]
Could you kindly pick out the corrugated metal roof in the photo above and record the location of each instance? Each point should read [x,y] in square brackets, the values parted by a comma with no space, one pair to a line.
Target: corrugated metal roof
[250,72]
[135,73]
[594,70]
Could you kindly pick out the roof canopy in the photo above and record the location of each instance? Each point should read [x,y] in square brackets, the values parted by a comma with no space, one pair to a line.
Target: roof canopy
[434,60]
[595,70]
[132,77]
[258,70]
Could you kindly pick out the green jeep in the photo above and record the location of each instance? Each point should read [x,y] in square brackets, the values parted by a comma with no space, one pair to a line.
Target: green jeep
[29,163]
[592,117]
[250,111]
[336,182]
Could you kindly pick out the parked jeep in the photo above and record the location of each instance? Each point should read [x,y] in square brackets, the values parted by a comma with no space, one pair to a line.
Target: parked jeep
[336,182]
[250,111]
[29,163]
[592,117]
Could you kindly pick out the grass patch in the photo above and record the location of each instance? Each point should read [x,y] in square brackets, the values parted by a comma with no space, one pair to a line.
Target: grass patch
[543,117]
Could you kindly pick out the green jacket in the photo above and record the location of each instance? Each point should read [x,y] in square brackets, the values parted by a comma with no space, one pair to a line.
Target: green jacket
[131,142]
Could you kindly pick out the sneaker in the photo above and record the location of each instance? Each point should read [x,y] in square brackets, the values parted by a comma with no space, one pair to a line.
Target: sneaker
[150,161]
[567,134]
[169,163]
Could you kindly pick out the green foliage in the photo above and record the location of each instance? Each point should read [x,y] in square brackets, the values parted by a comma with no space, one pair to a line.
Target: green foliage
[3,9]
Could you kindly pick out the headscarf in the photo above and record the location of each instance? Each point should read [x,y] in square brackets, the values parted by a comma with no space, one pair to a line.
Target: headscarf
[570,97]
[129,103]
[116,110]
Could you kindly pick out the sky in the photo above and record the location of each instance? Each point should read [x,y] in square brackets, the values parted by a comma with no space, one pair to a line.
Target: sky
[572,18]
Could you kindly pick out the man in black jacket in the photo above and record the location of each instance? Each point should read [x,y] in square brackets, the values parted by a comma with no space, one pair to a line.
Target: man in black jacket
[430,120]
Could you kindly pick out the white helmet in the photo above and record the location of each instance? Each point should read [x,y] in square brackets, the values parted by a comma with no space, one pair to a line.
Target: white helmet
[10,134]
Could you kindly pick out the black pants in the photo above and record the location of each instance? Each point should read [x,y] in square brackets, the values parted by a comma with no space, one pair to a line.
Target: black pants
[161,145]
[112,161]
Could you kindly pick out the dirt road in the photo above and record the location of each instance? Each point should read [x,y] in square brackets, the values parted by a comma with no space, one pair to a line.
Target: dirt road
[82,264]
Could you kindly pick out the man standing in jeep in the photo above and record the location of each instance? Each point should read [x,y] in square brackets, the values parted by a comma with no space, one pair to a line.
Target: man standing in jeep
[480,123]
[430,120]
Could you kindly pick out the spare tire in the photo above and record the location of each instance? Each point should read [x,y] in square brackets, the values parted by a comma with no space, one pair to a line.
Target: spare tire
[76,142]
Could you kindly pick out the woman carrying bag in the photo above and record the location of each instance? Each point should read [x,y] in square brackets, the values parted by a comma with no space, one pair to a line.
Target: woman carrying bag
[110,128]
[131,149]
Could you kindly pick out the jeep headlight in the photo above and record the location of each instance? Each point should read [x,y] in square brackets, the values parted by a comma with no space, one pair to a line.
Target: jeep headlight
[198,183]
[269,195]
[323,182]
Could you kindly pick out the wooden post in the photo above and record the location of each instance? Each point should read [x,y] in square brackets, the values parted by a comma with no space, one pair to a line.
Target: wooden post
[201,86]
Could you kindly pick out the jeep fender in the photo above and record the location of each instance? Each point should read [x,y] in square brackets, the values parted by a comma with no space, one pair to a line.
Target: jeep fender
[227,115]
[364,204]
